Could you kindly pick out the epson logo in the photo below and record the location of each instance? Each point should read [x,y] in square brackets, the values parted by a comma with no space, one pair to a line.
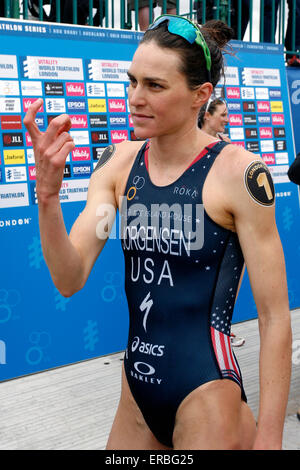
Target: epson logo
[264,119]
[78,104]
[81,170]
[14,222]
[234,106]
[117,120]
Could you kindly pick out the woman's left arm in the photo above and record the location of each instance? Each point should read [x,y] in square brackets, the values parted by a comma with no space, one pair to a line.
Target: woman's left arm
[253,210]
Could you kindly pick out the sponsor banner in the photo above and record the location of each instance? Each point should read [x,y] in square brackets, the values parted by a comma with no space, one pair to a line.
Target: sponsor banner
[233,106]
[74,190]
[76,104]
[58,68]
[264,119]
[10,105]
[261,77]
[11,122]
[282,158]
[12,195]
[239,144]
[98,120]
[95,89]
[80,137]
[55,105]
[31,88]
[235,119]
[97,106]
[9,88]
[237,133]
[14,157]
[250,119]
[115,89]
[12,139]
[117,120]
[118,136]
[81,170]
[275,93]
[54,88]
[99,137]
[268,158]
[265,132]
[75,89]
[8,66]
[104,70]
[30,156]
[116,106]
[28,101]
[15,174]
[280,145]
[231,76]
[32,173]
[97,152]
[252,146]
[67,171]
[263,106]
[279,173]
[28,140]
[251,133]
[278,119]
[262,93]
[79,121]
[81,153]
[267,145]
[279,132]
[276,106]
[249,106]
[40,121]
[233,93]
[247,93]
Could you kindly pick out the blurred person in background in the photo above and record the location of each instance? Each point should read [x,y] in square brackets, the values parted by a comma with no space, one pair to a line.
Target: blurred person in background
[143,10]
[292,59]
[211,13]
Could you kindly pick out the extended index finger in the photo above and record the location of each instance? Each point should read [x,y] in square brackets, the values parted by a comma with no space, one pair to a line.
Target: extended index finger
[29,119]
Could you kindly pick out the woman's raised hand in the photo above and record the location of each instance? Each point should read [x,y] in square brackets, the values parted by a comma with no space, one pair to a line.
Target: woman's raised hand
[51,149]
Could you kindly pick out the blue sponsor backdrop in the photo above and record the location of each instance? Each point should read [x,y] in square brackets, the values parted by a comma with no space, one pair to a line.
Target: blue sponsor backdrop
[40,329]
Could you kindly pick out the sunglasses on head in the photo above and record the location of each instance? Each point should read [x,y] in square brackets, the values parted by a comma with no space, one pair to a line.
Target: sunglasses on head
[212,99]
[188,30]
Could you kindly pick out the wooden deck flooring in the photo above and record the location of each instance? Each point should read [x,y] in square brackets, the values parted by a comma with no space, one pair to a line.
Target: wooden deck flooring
[72,407]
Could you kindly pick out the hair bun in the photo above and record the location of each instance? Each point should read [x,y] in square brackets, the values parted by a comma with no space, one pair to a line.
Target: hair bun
[218,31]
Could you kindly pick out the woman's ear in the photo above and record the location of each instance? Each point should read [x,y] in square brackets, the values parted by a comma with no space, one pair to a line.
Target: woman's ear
[202,94]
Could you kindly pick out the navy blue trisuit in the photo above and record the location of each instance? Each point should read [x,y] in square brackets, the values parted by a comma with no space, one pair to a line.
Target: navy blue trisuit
[182,272]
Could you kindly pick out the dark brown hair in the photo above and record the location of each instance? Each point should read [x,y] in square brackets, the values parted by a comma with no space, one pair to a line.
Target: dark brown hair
[216,34]
[211,108]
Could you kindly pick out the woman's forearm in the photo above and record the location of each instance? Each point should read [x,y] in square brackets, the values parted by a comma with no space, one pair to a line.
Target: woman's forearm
[275,372]
[63,260]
